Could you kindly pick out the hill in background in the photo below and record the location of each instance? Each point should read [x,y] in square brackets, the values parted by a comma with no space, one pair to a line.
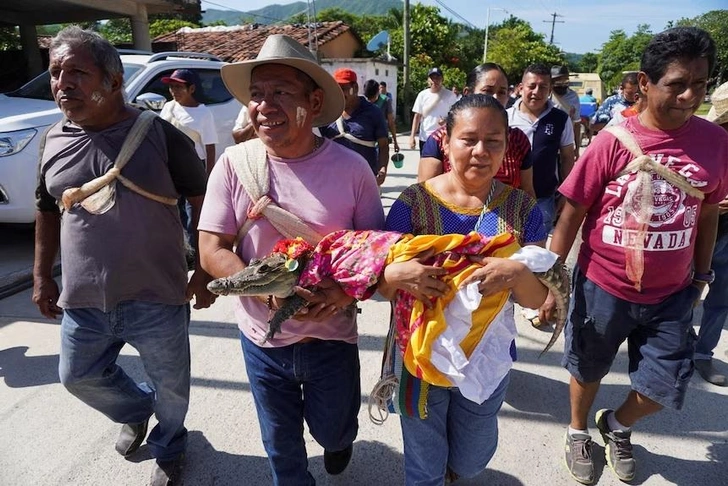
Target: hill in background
[275,13]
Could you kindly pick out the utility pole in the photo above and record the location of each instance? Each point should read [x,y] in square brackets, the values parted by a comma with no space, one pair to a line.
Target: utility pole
[406,64]
[553,24]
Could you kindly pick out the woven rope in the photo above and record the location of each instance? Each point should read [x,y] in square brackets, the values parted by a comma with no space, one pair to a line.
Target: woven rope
[250,162]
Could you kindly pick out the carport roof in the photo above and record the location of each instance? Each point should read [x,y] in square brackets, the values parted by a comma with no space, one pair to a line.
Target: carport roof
[44,12]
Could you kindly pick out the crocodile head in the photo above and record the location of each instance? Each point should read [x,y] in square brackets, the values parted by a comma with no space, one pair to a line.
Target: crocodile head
[273,275]
[277,274]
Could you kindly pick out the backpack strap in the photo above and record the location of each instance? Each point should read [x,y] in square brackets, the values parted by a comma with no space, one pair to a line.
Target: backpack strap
[93,188]
[350,137]
[250,162]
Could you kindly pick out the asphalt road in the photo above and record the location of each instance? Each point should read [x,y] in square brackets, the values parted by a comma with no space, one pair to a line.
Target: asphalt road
[50,438]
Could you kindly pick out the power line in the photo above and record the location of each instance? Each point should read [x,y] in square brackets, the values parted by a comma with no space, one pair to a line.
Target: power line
[454,13]
[553,24]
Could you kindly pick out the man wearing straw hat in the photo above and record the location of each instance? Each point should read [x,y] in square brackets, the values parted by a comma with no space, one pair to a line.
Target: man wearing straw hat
[118,173]
[648,194]
[288,183]
[715,305]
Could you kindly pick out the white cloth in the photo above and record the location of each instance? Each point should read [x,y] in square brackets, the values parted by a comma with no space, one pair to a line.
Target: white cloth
[243,119]
[432,107]
[491,359]
[198,118]
[569,103]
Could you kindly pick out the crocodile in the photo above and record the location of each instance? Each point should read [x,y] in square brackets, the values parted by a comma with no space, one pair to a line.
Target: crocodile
[294,262]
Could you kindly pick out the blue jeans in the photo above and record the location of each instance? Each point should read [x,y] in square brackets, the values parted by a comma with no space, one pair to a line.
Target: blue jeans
[457,434]
[547,205]
[318,382]
[715,306]
[90,344]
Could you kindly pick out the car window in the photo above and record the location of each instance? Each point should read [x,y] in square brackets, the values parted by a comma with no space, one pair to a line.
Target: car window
[213,90]
[39,88]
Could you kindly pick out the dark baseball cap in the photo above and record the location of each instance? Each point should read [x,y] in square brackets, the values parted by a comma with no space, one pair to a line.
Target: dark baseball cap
[185,76]
[559,72]
[435,70]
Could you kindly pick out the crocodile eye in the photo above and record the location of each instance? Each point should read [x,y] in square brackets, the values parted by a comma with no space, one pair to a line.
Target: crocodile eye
[263,268]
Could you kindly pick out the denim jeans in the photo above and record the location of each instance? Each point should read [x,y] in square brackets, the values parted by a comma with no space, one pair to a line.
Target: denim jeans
[90,344]
[547,205]
[715,306]
[318,382]
[457,434]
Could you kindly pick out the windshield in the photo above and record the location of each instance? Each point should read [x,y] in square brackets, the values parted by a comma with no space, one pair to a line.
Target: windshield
[39,88]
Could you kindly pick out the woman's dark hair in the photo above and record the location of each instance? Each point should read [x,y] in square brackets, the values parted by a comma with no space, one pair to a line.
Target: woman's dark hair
[371,88]
[479,71]
[679,43]
[474,101]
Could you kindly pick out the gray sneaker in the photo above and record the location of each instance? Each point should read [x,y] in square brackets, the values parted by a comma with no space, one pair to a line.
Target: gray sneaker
[578,457]
[618,448]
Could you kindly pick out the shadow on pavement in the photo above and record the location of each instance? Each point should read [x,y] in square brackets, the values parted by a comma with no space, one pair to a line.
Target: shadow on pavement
[681,471]
[21,371]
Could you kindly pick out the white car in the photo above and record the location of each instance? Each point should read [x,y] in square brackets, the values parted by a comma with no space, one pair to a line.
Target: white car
[26,114]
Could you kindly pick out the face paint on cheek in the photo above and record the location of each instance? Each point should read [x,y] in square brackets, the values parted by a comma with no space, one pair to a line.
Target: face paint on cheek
[301,113]
[97,97]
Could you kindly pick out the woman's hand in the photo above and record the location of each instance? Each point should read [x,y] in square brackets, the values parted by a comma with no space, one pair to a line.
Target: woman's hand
[496,274]
[413,276]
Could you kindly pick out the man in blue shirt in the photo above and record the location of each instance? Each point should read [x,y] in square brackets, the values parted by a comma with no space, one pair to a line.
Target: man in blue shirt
[361,127]
[616,103]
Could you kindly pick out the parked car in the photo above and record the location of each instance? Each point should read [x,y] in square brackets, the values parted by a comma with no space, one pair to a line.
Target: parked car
[29,111]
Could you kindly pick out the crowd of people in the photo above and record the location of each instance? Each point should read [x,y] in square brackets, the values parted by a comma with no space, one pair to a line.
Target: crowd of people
[119,188]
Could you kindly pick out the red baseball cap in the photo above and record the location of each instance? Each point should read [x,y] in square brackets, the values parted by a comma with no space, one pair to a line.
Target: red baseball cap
[344,76]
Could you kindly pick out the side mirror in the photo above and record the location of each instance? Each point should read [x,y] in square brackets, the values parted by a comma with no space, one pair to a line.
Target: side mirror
[150,101]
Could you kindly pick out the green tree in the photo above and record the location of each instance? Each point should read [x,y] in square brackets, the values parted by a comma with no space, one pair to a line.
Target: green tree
[516,45]
[589,63]
[622,53]
[9,38]
[164,26]
[715,23]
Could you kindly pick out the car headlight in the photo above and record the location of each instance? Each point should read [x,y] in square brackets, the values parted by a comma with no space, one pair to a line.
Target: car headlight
[13,142]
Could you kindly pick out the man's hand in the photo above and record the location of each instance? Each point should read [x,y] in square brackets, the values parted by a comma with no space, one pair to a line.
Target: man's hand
[324,302]
[197,288]
[547,312]
[412,142]
[381,176]
[723,206]
[396,145]
[45,296]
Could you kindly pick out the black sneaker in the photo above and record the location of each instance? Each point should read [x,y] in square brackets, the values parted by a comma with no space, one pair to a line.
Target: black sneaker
[168,473]
[578,457]
[131,437]
[336,462]
[618,447]
[709,373]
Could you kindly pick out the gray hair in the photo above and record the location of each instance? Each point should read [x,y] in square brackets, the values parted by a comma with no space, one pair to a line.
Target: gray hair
[104,54]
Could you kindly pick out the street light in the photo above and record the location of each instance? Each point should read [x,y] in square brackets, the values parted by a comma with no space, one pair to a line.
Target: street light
[487,25]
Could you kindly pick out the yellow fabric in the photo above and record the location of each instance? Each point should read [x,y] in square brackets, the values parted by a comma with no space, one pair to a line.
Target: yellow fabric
[428,324]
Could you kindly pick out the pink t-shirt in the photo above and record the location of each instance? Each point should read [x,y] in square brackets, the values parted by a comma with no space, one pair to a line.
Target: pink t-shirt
[699,151]
[330,189]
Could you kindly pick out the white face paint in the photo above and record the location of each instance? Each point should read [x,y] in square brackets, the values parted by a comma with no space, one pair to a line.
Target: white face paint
[301,113]
[97,97]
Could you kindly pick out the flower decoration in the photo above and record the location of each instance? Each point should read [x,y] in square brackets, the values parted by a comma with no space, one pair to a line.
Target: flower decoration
[294,249]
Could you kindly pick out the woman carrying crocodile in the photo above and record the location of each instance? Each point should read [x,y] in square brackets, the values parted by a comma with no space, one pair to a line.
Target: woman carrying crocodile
[447,435]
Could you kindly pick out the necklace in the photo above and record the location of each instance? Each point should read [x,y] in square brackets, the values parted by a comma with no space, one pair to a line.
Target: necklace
[317,142]
[488,200]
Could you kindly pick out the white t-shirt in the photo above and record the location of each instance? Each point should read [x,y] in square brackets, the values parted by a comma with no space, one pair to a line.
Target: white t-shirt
[243,119]
[569,103]
[198,119]
[432,107]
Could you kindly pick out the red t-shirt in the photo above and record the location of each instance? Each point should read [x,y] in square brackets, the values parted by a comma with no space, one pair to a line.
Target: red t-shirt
[699,151]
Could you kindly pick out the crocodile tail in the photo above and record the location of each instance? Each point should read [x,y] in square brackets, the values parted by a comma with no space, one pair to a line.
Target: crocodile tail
[557,280]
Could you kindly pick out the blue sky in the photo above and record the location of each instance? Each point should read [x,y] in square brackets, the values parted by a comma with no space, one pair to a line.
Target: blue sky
[587,24]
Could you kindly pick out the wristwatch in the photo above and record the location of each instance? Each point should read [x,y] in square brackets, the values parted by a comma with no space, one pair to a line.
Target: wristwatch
[707,278]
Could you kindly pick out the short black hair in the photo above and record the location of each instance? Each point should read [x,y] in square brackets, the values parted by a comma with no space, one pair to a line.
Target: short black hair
[371,89]
[538,69]
[479,71]
[629,78]
[477,100]
[679,43]
[383,83]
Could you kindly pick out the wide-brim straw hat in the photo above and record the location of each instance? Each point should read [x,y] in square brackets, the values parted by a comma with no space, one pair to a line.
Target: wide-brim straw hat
[282,49]
[718,113]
